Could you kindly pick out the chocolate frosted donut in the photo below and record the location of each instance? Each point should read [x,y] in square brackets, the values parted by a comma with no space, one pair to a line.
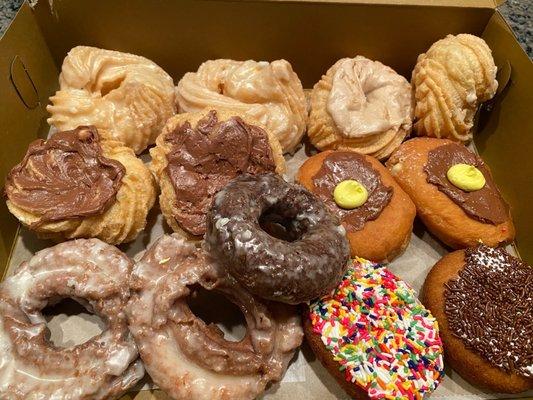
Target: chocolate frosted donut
[307,263]
[197,154]
[93,273]
[186,357]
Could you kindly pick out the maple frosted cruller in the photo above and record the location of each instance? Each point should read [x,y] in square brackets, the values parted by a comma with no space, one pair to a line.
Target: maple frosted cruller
[360,105]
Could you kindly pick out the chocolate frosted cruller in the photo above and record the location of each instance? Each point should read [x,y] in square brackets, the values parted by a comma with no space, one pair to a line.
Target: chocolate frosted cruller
[65,177]
[197,154]
[74,185]
[96,275]
[204,158]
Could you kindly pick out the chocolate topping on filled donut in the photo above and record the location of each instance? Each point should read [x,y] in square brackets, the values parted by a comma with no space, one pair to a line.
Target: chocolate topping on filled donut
[489,306]
[305,264]
[188,358]
[65,177]
[104,367]
[205,158]
[340,166]
[486,204]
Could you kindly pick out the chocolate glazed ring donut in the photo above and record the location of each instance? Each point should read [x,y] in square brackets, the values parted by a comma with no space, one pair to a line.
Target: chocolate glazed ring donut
[94,274]
[189,359]
[307,263]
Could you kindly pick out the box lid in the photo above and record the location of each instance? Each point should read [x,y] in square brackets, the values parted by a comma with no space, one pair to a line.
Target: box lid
[436,3]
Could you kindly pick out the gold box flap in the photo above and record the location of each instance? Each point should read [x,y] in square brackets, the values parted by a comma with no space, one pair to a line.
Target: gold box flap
[29,76]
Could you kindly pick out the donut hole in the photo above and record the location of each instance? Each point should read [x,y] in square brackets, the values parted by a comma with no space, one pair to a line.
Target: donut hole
[214,308]
[70,324]
[108,86]
[281,224]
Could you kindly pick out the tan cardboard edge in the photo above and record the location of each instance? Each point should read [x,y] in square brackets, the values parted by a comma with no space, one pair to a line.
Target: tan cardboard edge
[503,140]
[155,394]
[427,3]
[23,41]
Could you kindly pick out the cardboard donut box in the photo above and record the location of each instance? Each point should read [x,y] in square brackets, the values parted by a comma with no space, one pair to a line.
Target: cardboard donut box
[311,35]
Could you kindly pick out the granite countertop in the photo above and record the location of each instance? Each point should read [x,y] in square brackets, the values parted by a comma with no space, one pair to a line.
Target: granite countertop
[517,12]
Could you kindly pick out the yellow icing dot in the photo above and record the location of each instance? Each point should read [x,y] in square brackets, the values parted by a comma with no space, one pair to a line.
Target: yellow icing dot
[350,194]
[466,177]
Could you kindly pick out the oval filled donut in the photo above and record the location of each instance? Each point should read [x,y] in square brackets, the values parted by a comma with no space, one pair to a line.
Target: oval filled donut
[94,274]
[482,299]
[126,96]
[375,337]
[189,359]
[305,264]
[457,217]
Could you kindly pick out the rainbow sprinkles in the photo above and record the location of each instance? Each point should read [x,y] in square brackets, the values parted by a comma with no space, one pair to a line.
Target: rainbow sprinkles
[382,336]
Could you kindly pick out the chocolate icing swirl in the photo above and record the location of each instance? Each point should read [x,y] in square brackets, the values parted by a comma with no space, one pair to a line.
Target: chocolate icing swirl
[489,306]
[205,158]
[340,166]
[65,177]
[485,205]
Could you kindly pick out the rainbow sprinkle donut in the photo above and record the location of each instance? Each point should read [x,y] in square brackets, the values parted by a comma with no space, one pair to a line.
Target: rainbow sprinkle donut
[379,334]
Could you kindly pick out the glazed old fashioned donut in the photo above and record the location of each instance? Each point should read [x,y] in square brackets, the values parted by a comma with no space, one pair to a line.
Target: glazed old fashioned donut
[197,154]
[482,299]
[269,92]
[96,275]
[126,96]
[186,357]
[305,263]
[74,185]
[453,191]
[375,337]
[360,105]
[376,213]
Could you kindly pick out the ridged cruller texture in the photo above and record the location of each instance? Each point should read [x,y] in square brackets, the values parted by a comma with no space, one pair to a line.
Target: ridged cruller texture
[47,177]
[271,93]
[360,105]
[450,81]
[197,154]
[127,96]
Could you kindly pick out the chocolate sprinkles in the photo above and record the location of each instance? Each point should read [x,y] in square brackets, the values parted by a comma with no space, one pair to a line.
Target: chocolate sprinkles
[490,308]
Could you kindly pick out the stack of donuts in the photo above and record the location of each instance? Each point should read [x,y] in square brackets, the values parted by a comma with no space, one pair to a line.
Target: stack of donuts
[300,258]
